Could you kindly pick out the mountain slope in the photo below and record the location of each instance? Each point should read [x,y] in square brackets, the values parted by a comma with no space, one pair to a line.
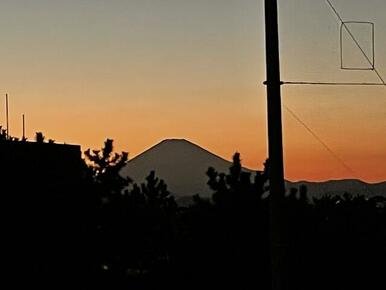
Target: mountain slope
[181,163]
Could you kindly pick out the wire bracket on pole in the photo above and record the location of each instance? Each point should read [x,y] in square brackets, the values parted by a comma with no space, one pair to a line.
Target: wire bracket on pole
[266,83]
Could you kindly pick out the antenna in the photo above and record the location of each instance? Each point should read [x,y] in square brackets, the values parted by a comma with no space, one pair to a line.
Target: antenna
[23,117]
[7,114]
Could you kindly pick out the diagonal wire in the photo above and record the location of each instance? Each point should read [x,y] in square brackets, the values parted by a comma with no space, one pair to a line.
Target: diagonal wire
[311,131]
[355,41]
[319,139]
[336,156]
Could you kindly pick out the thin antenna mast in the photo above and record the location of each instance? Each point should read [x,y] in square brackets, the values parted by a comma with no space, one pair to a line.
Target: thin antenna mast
[7,114]
[23,127]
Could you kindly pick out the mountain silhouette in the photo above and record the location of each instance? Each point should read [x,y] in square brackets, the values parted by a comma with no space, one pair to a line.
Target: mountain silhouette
[180,163]
[183,165]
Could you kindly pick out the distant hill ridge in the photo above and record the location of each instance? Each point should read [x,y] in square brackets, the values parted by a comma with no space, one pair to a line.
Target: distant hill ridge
[341,186]
[183,165]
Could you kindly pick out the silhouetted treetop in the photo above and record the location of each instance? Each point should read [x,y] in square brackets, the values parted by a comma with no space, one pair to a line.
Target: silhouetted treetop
[237,184]
[39,137]
[104,166]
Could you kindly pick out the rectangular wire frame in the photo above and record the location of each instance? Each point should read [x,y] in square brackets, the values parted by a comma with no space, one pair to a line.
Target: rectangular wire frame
[371,61]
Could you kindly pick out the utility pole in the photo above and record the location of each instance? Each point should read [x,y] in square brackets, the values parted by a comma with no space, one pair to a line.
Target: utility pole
[275,149]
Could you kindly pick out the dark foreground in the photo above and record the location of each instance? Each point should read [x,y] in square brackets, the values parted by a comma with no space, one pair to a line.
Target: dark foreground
[101,230]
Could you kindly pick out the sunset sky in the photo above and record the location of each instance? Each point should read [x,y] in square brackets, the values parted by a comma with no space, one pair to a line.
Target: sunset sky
[140,71]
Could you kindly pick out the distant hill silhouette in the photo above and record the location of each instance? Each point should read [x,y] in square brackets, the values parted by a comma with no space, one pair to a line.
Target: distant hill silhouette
[183,164]
[353,186]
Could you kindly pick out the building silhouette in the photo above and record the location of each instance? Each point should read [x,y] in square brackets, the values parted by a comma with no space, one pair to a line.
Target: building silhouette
[39,209]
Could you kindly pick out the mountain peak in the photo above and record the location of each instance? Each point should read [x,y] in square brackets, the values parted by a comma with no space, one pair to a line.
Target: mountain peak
[180,162]
[177,148]
[175,140]
[179,141]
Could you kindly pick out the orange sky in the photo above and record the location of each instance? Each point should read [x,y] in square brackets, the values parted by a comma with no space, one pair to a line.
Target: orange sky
[141,71]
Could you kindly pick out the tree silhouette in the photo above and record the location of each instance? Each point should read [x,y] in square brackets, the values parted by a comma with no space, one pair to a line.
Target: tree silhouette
[104,167]
[230,233]
[143,240]
[3,134]
[236,187]
[134,224]
[39,137]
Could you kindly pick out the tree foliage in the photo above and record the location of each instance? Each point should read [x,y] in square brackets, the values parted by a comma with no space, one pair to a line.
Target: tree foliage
[145,240]
[104,167]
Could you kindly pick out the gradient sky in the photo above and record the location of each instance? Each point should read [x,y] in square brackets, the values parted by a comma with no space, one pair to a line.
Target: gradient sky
[140,71]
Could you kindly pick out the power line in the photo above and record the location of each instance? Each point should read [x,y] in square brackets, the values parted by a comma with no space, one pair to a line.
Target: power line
[324,144]
[319,139]
[308,128]
[372,64]
[356,41]
[331,83]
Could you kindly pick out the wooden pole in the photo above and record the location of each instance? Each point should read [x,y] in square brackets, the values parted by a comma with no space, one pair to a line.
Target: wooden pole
[275,148]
